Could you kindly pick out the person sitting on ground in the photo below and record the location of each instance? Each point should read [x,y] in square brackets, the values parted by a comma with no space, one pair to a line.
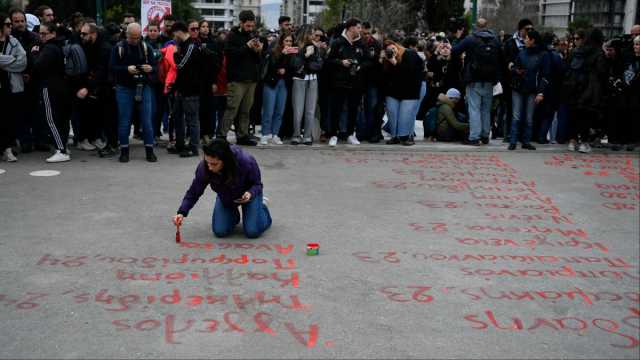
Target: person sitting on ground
[450,128]
[235,176]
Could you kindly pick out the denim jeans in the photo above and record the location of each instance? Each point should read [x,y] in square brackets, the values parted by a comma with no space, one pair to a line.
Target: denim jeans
[479,100]
[186,112]
[423,93]
[256,218]
[274,100]
[401,116]
[523,104]
[368,124]
[126,103]
[341,98]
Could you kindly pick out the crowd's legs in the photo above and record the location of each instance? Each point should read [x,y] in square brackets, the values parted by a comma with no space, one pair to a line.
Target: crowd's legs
[274,100]
[479,98]
[126,105]
[304,99]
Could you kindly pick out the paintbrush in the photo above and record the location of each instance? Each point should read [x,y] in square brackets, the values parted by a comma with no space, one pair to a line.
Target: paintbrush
[178,238]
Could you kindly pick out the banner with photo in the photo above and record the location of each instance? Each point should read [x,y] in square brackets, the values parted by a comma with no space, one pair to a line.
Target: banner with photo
[154,10]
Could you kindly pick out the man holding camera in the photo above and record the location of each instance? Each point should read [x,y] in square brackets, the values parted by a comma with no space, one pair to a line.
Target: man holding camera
[243,50]
[133,65]
[349,61]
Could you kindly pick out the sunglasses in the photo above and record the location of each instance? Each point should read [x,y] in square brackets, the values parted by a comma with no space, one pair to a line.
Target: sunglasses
[194,29]
[8,24]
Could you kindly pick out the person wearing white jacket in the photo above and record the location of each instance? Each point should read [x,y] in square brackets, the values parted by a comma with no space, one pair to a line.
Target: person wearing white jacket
[13,61]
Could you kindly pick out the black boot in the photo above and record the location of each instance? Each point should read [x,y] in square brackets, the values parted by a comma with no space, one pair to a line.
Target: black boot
[124,155]
[151,157]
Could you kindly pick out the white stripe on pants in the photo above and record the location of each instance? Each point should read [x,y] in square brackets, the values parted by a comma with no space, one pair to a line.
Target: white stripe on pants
[49,115]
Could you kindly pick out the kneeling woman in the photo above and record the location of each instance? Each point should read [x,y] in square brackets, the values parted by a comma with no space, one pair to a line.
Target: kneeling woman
[235,176]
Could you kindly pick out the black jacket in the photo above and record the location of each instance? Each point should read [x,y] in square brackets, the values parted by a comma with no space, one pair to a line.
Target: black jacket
[348,77]
[123,55]
[190,66]
[373,75]
[243,63]
[403,81]
[97,80]
[275,63]
[302,65]
[48,69]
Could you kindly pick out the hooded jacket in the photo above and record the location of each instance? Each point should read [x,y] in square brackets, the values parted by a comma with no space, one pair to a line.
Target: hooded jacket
[48,68]
[537,65]
[247,179]
[345,49]
[447,120]
[243,63]
[469,46]
[13,61]
[192,76]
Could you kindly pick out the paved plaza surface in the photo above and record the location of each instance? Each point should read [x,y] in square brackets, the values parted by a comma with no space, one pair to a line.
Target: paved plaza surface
[429,252]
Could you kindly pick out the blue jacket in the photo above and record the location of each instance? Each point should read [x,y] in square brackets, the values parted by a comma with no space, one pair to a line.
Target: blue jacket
[469,45]
[537,64]
[247,179]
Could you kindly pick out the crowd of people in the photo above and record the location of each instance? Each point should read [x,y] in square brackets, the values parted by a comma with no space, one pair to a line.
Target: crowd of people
[185,83]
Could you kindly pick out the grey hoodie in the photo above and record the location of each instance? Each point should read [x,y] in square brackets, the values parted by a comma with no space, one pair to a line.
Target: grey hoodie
[14,61]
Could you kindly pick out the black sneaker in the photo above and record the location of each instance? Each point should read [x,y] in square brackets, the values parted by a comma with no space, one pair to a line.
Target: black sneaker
[408,142]
[513,146]
[375,139]
[528,147]
[616,147]
[308,142]
[124,155]
[631,147]
[246,141]
[187,153]
[471,142]
[393,141]
[485,140]
[108,151]
[151,157]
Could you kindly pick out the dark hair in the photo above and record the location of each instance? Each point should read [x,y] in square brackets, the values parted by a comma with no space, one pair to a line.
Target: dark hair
[535,36]
[366,25]
[126,15]
[169,17]
[155,23]
[284,18]
[221,150]
[51,26]
[410,41]
[41,9]
[277,50]
[179,26]
[246,15]
[202,22]
[524,23]
[191,21]
[112,29]
[17,11]
[594,38]
[352,22]
[548,38]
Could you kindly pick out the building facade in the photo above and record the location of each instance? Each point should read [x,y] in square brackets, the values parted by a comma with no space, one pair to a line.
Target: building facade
[254,5]
[613,17]
[302,12]
[220,13]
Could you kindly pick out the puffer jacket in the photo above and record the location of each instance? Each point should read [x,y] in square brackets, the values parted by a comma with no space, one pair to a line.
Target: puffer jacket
[13,60]
[345,49]
[167,70]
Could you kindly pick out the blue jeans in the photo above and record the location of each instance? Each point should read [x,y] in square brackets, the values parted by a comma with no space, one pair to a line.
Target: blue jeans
[423,93]
[479,100]
[367,125]
[401,116]
[523,104]
[256,218]
[126,103]
[274,100]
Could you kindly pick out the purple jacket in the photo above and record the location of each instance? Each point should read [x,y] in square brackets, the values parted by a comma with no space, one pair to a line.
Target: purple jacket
[247,179]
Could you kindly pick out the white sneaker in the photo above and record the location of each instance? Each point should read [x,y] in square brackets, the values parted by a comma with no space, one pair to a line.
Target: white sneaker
[353,140]
[99,144]
[8,155]
[85,145]
[584,148]
[58,157]
[264,140]
[333,141]
[571,146]
[276,140]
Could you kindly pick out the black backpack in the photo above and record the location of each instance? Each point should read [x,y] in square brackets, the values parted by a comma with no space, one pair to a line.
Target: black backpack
[485,62]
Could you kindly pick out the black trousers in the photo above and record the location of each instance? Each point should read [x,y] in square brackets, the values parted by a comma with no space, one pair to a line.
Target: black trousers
[8,122]
[55,109]
[340,97]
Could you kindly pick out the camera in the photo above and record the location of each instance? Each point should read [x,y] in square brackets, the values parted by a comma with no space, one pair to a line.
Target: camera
[389,53]
[139,79]
[354,67]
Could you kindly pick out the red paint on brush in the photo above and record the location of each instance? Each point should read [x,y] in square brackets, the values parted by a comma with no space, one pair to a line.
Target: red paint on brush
[178,238]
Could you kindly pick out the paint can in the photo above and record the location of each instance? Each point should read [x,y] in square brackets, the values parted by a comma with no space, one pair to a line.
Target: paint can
[313,249]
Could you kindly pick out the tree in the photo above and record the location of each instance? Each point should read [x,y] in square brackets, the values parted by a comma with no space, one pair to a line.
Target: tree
[507,16]
[579,23]
[438,12]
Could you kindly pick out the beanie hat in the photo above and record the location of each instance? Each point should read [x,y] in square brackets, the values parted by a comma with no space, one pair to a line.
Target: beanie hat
[453,93]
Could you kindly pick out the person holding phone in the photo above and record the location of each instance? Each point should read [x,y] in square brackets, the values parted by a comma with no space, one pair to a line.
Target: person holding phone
[235,176]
